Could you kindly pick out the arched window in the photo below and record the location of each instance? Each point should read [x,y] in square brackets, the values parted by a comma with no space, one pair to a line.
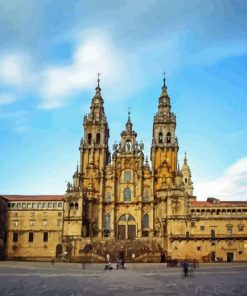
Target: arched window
[146,196]
[145,220]
[127,176]
[122,218]
[168,138]
[71,205]
[160,138]
[98,138]
[127,194]
[185,180]
[76,205]
[128,146]
[107,221]
[131,218]
[108,197]
[89,138]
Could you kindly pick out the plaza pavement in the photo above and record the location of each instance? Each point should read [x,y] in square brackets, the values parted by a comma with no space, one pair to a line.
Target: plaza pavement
[45,279]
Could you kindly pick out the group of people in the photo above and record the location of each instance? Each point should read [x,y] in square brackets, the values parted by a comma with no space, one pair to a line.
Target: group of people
[119,264]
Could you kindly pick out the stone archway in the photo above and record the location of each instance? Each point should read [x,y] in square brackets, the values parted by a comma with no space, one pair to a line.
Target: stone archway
[126,227]
[59,251]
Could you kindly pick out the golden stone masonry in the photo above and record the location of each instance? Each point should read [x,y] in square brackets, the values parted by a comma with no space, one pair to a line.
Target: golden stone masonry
[120,206]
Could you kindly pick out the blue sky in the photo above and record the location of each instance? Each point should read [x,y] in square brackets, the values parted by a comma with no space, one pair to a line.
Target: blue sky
[51,52]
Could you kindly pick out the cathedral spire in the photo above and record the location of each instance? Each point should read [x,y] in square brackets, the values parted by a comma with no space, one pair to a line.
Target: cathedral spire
[185,158]
[129,124]
[98,89]
[164,99]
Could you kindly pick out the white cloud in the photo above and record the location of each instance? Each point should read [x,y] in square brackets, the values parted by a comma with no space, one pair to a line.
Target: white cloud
[93,54]
[231,186]
[7,98]
[15,70]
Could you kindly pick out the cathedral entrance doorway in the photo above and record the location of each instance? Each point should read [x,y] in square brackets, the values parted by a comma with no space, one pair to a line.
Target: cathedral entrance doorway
[126,227]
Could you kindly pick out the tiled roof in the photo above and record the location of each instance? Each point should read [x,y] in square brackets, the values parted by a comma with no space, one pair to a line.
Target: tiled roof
[195,203]
[34,197]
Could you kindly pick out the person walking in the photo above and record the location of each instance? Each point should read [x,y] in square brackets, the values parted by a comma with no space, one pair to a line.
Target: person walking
[185,268]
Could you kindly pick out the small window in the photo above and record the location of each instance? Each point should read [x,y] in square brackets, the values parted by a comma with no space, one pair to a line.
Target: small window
[45,237]
[9,204]
[240,227]
[127,176]
[185,180]
[30,237]
[98,139]
[18,205]
[212,234]
[107,221]
[127,194]
[202,227]
[192,224]
[60,204]
[45,214]
[45,205]
[34,205]
[76,205]
[128,146]
[198,248]
[15,223]
[160,138]
[55,205]
[49,205]
[229,230]
[15,237]
[89,139]
[45,223]
[39,205]
[24,205]
[15,214]
[168,138]
[146,196]
[59,214]
[71,205]
[187,234]
[32,223]
[29,205]
[146,220]
[59,222]
[108,197]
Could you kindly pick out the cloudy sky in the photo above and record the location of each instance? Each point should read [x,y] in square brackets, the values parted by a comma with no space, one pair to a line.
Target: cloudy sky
[51,52]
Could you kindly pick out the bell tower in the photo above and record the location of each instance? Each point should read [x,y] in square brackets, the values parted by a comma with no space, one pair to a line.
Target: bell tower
[94,157]
[94,147]
[164,147]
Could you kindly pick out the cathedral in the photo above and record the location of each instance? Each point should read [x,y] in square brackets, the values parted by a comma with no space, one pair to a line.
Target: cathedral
[121,206]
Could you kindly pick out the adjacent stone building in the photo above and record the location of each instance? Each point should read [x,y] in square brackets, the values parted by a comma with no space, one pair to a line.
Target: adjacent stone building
[121,206]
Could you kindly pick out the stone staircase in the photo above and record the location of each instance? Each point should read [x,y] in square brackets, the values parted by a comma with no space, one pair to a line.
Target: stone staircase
[137,250]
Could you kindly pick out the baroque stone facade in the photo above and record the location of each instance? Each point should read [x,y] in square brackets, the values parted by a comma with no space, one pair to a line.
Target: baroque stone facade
[121,205]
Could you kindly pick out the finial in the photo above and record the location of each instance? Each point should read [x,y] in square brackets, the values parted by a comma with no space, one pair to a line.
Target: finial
[98,80]
[128,113]
[164,80]
[178,166]
[185,157]
[146,162]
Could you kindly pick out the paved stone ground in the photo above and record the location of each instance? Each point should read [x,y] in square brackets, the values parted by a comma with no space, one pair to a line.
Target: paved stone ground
[44,279]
